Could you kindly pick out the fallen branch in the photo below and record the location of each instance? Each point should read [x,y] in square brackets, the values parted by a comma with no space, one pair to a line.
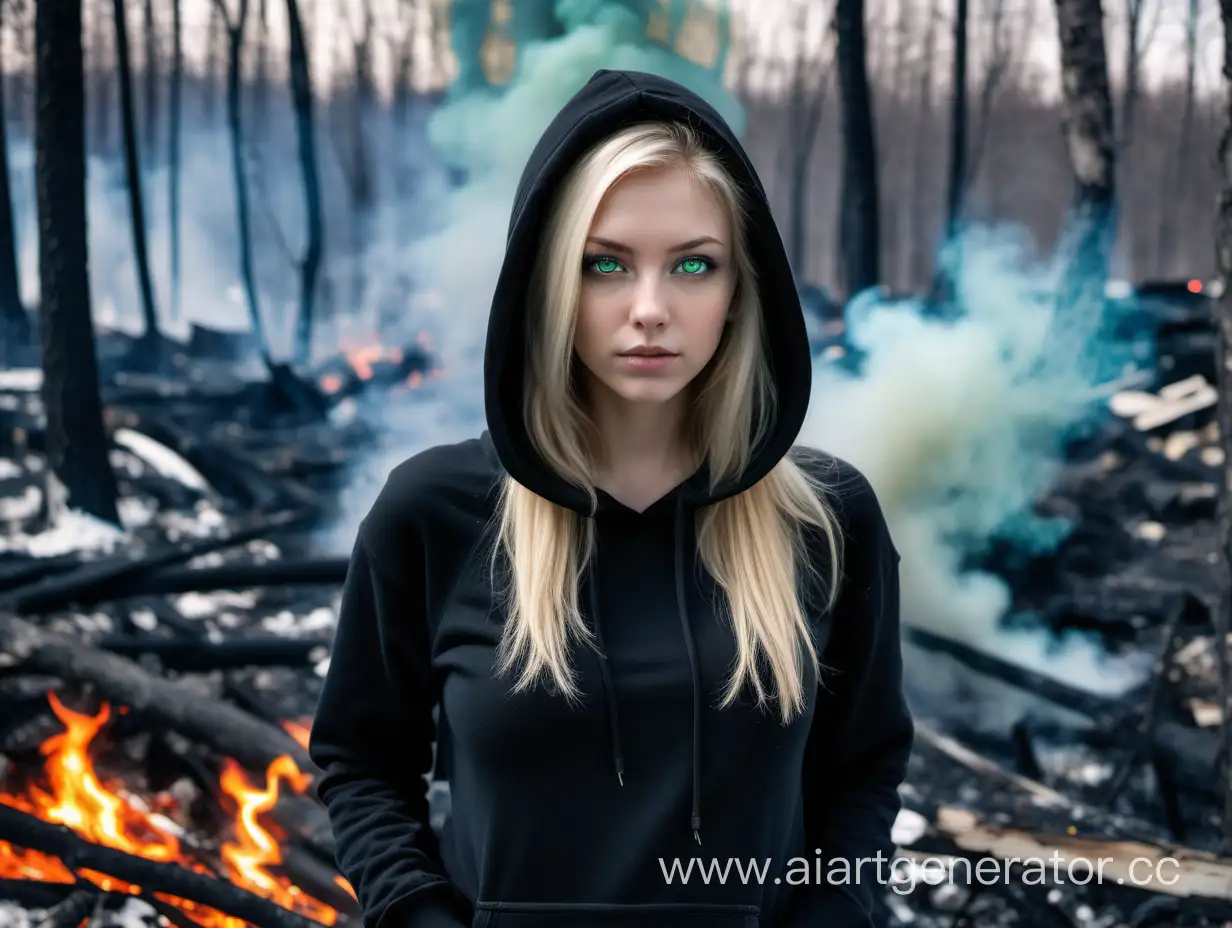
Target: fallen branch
[1102,710]
[152,876]
[112,576]
[1166,869]
[328,571]
[197,655]
[1040,794]
[228,730]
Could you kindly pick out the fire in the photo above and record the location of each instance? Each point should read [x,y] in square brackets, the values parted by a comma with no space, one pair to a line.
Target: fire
[74,795]
[363,357]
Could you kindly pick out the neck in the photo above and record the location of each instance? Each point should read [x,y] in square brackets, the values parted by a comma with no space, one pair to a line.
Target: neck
[640,439]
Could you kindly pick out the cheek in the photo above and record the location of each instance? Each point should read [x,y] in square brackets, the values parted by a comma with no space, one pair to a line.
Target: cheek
[592,328]
[705,312]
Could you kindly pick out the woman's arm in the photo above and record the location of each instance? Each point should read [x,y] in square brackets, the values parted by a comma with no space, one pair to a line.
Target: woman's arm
[862,735]
[373,736]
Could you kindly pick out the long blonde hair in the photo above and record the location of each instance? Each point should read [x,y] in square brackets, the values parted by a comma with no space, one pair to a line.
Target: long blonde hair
[752,543]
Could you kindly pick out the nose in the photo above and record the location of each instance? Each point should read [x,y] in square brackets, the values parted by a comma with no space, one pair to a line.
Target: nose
[649,309]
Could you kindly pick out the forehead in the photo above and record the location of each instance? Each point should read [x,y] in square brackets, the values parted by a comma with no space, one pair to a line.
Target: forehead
[655,204]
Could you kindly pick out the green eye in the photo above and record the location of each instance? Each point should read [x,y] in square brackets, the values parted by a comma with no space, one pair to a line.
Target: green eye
[694,266]
[605,265]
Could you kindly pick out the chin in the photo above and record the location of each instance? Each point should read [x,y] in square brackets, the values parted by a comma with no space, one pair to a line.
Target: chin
[648,392]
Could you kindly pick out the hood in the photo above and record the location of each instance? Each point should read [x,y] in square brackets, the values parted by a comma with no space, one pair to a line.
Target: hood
[607,102]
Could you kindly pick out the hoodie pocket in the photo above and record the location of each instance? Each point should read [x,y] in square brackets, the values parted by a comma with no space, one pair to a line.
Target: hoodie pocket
[602,915]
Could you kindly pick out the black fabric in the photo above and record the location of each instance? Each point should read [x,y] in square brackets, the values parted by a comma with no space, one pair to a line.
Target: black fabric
[577,814]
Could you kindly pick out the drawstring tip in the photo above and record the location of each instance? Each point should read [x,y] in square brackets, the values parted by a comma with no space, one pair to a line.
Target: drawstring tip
[697,825]
[620,771]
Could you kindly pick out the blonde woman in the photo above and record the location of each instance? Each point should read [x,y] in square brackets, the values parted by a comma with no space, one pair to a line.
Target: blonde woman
[651,644]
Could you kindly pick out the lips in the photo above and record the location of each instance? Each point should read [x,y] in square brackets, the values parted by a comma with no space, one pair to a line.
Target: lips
[648,353]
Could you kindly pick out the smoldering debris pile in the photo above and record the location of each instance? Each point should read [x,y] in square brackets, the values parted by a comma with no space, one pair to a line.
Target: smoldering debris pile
[158,681]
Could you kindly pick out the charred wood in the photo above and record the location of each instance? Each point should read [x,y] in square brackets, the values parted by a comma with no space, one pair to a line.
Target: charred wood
[226,729]
[153,876]
[310,572]
[197,655]
[111,576]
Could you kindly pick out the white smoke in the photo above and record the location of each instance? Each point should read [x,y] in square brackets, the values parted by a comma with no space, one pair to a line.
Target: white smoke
[957,424]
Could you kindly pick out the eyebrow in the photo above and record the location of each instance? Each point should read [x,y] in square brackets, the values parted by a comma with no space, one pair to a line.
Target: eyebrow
[683,246]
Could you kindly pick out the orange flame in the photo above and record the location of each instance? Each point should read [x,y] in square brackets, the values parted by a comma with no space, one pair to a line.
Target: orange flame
[75,796]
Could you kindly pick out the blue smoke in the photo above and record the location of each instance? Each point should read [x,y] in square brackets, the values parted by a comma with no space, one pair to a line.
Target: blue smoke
[961,420]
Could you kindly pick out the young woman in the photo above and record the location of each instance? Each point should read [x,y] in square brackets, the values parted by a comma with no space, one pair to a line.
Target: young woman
[654,644]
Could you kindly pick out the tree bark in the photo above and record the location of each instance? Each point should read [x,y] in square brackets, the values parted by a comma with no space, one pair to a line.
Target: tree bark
[859,235]
[16,329]
[1223,370]
[80,474]
[1086,113]
[918,225]
[807,101]
[235,45]
[1165,245]
[173,149]
[136,202]
[958,121]
[149,135]
[301,95]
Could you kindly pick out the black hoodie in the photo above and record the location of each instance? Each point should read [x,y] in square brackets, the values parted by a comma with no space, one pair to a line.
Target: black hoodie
[640,807]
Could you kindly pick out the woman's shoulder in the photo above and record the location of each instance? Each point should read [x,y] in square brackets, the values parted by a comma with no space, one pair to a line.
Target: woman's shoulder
[847,490]
[449,481]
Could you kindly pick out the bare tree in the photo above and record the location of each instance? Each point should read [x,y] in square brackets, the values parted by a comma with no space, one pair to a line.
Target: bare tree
[958,119]
[859,235]
[16,330]
[150,343]
[80,474]
[301,96]
[235,44]
[809,85]
[1165,245]
[1086,108]
[916,251]
[1135,45]
[1223,367]
[173,149]
[1002,46]
[149,32]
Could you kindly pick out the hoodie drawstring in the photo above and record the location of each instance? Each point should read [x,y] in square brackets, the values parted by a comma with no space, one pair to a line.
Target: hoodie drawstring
[609,689]
[682,606]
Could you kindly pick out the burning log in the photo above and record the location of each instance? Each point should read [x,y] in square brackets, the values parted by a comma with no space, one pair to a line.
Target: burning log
[228,730]
[73,792]
[156,876]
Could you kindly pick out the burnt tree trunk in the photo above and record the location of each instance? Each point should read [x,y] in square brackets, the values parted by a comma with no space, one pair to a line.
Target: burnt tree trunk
[958,121]
[80,474]
[235,45]
[16,329]
[1165,245]
[132,168]
[173,149]
[859,235]
[918,224]
[1086,112]
[301,97]
[1223,257]
[149,135]
[807,103]
[1133,71]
